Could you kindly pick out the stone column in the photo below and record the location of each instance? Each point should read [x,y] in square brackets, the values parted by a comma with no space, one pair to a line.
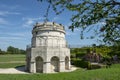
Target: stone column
[32,67]
[47,67]
[62,66]
[69,65]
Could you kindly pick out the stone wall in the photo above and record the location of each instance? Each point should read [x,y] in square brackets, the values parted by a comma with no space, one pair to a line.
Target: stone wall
[49,52]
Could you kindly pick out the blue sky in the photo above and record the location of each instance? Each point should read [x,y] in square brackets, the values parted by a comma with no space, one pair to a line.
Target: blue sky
[17,18]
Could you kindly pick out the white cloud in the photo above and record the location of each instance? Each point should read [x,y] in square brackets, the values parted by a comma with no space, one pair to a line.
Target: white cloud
[68,31]
[31,21]
[9,7]
[28,23]
[6,38]
[21,34]
[34,19]
[55,19]
[15,34]
[4,13]
[13,41]
[13,38]
[3,21]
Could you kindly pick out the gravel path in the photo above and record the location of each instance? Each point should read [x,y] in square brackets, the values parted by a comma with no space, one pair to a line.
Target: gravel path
[21,70]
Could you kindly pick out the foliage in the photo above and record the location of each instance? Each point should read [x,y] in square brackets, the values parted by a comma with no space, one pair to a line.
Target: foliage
[78,52]
[91,12]
[115,50]
[2,52]
[82,50]
[12,50]
[80,63]
[100,49]
[103,50]
[95,67]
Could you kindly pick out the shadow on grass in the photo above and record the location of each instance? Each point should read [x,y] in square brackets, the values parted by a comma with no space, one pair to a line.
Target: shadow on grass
[21,68]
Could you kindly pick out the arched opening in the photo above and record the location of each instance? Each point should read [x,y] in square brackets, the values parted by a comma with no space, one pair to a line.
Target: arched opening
[39,64]
[66,62]
[55,64]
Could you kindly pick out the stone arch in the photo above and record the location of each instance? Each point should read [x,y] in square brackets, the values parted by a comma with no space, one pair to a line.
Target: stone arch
[55,63]
[66,62]
[39,64]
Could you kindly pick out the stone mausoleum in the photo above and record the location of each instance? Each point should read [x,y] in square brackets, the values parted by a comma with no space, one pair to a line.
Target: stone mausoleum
[48,52]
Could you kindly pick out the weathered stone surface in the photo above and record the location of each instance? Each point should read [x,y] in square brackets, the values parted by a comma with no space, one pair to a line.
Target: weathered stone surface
[48,52]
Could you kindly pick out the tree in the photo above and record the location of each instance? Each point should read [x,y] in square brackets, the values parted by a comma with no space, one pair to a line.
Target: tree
[10,50]
[115,50]
[1,51]
[91,12]
[22,51]
[13,50]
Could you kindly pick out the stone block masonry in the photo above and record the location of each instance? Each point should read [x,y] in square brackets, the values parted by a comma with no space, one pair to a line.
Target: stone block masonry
[49,52]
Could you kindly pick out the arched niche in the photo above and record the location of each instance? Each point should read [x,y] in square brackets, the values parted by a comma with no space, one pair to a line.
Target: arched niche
[39,64]
[66,62]
[55,63]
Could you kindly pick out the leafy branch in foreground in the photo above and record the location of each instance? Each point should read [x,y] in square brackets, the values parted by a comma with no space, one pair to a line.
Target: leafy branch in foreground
[91,12]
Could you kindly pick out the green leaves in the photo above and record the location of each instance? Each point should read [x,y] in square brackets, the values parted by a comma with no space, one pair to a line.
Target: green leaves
[89,12]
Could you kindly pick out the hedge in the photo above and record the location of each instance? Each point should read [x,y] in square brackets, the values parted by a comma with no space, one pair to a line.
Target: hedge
[81,63]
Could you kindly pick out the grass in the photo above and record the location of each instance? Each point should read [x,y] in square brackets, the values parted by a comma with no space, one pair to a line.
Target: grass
[10,65]
[80,74]
[9,61]
[8,58]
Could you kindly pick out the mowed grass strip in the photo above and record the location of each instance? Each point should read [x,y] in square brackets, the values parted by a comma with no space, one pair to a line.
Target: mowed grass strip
[80,74]
[8,58]
[10,65]
[11,61]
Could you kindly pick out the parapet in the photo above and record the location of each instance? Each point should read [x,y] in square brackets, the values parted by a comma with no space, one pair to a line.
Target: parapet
[51,26]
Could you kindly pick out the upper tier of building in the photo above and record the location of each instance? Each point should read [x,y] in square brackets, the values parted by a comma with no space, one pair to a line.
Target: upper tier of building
[48,26]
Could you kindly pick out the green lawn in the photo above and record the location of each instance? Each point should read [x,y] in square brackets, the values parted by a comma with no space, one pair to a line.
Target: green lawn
[112,73]
[9,61]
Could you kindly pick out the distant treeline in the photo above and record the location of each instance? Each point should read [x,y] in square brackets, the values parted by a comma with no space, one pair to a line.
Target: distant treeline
[12,50]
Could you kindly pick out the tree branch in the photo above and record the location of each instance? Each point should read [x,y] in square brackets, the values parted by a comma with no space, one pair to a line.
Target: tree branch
[115,2]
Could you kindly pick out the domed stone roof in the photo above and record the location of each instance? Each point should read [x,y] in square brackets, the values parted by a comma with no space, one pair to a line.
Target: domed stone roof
[49,52]
[51,26]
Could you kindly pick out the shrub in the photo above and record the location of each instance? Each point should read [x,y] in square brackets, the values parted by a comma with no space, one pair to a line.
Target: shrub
[81,63]
[95,66]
